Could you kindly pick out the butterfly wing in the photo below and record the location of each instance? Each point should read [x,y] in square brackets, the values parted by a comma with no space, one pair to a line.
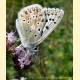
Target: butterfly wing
[35,23]
[30,23]
[53,18]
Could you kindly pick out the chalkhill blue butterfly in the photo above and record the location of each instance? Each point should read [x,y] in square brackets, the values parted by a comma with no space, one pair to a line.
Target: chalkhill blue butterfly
[34,24]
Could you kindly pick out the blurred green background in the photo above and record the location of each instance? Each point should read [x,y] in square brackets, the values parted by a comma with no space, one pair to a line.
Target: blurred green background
[55,60]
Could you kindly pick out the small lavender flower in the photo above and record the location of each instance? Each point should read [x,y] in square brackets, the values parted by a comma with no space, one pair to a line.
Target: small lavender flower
[22,57]
[10,38]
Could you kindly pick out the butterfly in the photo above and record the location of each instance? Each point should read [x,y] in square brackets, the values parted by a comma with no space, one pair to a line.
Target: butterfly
[35,23]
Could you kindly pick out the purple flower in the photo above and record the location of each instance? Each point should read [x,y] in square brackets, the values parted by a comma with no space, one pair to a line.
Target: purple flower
[22,57]
[10,38]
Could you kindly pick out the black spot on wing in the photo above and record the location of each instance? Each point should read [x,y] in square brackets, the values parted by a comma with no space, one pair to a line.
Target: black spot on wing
[28,22]
[36,16]
[48,14]
[55,13]
[35,35]
[52,19]
[47,27]
[39,29]
[54,22]
[42,20]
[41,33]
[24,20]
[33,16]
[38,23]
[40,15]
[46,20]
[51,13]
